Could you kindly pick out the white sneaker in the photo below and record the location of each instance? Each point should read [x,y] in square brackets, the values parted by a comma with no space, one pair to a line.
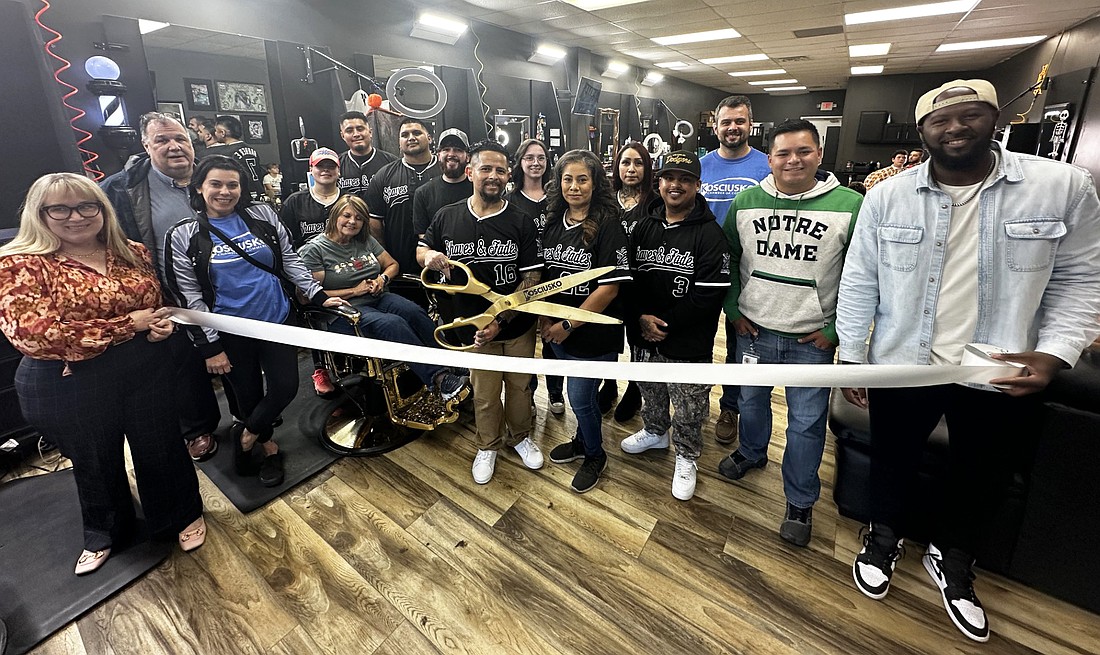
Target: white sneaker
[530,454]
[484,465]
[683,480]
[643,440]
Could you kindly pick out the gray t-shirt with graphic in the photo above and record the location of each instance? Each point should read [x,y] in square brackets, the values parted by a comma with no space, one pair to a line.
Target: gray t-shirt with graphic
[345,265]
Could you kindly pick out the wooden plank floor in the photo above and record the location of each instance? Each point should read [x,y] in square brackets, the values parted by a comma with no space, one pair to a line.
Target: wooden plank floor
[405,554]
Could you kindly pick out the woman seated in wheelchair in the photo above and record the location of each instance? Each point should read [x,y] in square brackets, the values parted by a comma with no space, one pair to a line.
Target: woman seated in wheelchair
[350,264]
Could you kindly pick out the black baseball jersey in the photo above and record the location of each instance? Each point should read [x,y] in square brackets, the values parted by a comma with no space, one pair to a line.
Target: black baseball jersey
[390,200]
[564,253]
[246,155]
[355,174]
[682,273]
[536,209]
[498,248]
[434,194]
[304,217]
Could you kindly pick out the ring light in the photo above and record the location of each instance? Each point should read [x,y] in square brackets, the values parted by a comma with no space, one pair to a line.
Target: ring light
[401,75]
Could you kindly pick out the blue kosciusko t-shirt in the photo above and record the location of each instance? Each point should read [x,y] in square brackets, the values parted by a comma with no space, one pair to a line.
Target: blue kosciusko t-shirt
[723,178]
[241,289]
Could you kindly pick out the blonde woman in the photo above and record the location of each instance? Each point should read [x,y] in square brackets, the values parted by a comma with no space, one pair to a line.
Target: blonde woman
[83,305]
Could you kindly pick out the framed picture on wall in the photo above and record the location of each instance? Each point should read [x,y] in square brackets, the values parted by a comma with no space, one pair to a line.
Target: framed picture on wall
[241,97]
[173,108]
[254,128]
[200,94]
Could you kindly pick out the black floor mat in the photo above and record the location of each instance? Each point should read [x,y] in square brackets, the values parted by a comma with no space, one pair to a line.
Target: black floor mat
[302,456]
[41,536]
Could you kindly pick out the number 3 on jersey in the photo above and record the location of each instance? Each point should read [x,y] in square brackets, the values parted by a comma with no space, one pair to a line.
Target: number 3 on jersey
[682,284]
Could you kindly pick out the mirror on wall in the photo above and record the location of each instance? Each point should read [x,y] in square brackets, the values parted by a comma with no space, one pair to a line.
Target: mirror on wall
[205,74]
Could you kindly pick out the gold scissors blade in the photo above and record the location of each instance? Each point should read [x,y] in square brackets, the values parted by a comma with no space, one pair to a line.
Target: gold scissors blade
[544,308]
[549,288]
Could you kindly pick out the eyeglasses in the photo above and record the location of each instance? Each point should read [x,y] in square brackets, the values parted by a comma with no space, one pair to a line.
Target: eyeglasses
[65,212]
[530,159]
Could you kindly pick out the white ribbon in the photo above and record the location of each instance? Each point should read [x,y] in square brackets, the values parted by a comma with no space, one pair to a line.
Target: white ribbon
[769,375]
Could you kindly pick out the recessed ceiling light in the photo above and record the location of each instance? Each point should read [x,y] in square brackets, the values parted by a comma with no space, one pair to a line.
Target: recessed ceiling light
[651,78]
[674,65]
[546,54]
[147,26]
[696,37]
[615,69]
[866,70]
[596,5]
[773,71]
[735,59]
[434,27]
[992,43]
[786,88]
[869,50]
[912,11]
[767,82]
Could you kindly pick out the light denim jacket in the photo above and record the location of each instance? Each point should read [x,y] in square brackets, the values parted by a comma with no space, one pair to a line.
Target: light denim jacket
[1038,263]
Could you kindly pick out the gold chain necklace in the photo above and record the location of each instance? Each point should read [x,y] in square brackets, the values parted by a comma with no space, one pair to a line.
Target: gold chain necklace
[73,254]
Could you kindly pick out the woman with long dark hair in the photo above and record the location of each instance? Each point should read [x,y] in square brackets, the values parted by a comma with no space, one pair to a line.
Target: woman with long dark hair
[530,175]
[233,259]
[632,180]
[583,232]
[83,305]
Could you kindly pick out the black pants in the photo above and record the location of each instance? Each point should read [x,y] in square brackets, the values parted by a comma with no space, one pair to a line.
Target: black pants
[252,362]
[125,392]
[986,431]
[196,402]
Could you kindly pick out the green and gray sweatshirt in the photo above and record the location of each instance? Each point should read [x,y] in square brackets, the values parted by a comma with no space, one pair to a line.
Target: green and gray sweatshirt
[786,255]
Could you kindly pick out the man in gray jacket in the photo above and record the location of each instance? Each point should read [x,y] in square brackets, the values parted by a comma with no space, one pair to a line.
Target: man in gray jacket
[150,196]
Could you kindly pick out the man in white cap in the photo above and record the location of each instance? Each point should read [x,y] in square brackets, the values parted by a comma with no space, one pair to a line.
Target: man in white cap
[453,186]
[976,245]
[304,212]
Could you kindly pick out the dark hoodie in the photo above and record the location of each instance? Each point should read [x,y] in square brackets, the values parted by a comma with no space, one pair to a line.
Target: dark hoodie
[681,276]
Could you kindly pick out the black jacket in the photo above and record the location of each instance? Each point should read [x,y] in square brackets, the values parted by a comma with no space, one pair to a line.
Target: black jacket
[681,276]
[128,191]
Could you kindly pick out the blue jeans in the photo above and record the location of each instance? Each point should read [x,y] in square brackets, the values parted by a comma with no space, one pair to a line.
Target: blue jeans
[583,394]
[807,412]
[397,319]
[730,392]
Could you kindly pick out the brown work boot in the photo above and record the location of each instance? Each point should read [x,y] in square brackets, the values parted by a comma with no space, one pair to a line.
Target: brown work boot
[202,447]
[725,430]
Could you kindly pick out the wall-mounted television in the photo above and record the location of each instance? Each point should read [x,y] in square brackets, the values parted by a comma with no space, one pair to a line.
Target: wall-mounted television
[588,97]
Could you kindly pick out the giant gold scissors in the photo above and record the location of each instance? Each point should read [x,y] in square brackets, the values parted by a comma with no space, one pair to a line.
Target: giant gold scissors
[527,300]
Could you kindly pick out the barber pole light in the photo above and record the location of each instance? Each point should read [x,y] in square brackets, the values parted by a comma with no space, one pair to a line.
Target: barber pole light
[104,74]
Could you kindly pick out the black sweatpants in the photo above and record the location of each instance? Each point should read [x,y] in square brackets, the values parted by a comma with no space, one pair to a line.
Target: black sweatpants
[124,393]
[986,431]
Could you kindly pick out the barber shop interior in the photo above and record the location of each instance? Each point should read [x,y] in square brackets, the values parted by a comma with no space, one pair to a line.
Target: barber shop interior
[522,327]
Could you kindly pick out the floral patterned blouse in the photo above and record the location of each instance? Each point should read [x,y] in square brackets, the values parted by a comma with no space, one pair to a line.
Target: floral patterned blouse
[55,307]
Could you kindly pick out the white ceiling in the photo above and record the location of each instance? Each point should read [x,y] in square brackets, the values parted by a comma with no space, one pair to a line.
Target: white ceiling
[191,39]
[768,26]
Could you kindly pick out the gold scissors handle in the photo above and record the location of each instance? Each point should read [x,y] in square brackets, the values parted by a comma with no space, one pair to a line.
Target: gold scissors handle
[477,322]
[472,286]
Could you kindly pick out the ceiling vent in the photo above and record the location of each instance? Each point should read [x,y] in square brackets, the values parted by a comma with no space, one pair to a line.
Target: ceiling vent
[819,31]
[787,59]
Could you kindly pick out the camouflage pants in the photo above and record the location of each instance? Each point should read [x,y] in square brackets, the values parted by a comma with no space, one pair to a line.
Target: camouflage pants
[690,402]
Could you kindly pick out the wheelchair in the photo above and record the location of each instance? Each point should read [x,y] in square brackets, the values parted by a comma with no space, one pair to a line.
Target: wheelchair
[379,405]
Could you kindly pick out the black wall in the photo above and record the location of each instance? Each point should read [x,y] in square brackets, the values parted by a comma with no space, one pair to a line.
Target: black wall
[1075,50]
[38,139]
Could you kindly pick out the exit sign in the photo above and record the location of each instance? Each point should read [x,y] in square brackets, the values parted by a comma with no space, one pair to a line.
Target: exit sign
[826,106]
